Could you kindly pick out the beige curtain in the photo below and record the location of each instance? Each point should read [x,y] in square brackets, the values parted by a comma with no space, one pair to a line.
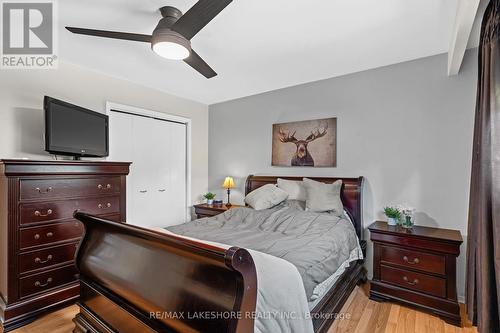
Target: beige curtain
[483,247]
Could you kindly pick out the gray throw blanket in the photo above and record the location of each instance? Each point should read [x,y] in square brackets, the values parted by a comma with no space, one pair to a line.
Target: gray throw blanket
[316,243]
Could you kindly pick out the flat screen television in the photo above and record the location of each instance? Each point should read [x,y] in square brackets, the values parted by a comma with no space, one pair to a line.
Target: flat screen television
[74,131]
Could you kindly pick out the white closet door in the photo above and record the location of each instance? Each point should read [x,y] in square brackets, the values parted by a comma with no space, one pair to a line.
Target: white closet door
[156,185]
[170,175]
[120,136]
[141,197]
[161,136]
[177,166]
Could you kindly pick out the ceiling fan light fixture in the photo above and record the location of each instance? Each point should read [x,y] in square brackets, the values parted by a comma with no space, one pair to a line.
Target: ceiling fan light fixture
[169,44]
[171,50]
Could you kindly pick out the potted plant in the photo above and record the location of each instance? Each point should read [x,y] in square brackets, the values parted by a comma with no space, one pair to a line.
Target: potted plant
[210,198]
[393,215]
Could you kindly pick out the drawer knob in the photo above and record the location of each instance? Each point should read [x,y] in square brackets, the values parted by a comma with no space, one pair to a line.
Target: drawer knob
[40,261]
[99,206]
[49,234]
[38,213]
[37,236]
[99,186]
[108,186]
[47,190]
[39,284]
[108,205]
[413,262]
[415,281]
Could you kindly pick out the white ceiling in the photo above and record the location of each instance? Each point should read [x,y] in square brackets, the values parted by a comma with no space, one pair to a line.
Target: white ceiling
[259,45]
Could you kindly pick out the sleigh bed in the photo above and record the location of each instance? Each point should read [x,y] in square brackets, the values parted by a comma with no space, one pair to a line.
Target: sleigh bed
[139,280]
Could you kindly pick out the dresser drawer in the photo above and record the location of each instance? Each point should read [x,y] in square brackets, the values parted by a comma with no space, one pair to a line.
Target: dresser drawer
[60,210]
[47,257]
[42,189]
[47,280]
[413,259]
[414,281]
[51,233]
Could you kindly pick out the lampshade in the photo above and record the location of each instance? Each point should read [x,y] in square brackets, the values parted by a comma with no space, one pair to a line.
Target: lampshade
[228,182]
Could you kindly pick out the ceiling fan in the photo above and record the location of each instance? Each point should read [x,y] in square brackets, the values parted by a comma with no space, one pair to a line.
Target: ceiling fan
[171,38]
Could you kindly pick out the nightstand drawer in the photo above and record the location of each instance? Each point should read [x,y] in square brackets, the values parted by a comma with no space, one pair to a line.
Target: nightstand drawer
[204,210]
[422,261]
[414,281]
[207,212]
[200,216]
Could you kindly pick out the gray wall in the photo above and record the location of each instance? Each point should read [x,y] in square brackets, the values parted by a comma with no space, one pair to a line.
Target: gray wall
[407,128]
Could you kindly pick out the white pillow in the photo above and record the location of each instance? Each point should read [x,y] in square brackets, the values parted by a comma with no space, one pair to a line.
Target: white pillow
[295,189]
[265,197]
[323,197]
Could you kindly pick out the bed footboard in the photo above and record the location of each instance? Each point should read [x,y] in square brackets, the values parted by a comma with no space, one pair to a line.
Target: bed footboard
[138,280]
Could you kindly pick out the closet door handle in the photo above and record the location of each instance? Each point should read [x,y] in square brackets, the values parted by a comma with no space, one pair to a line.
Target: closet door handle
[143,191]
[162,190]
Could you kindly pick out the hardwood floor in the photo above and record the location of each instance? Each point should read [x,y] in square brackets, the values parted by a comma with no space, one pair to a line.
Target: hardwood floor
[55,322]
[364,316]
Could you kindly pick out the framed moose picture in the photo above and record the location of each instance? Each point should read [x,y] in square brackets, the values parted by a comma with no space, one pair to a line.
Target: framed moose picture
[311,143]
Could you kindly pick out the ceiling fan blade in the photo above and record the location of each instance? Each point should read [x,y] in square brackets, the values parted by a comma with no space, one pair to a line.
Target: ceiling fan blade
[111,34]
[195,61]
[199,16]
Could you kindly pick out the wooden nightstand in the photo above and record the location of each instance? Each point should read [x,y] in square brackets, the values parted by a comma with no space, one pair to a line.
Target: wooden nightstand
[204,210]
[416,267]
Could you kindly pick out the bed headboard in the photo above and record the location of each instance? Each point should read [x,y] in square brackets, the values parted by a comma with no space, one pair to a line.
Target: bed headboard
[351,194]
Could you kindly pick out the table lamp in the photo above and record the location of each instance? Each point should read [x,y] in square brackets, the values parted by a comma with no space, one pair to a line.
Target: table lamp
[228,184]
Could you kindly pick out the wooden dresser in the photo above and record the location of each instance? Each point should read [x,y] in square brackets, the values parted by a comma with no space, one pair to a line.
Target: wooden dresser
[416,267]
[38,235]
